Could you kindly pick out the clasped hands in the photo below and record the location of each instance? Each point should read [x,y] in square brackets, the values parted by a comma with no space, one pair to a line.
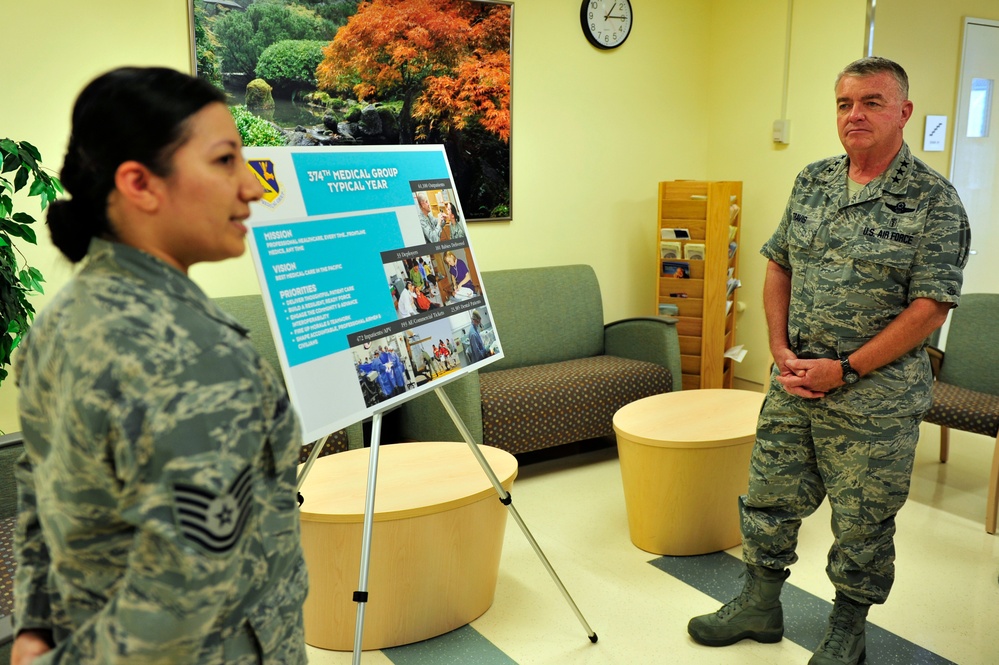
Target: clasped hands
[812,378]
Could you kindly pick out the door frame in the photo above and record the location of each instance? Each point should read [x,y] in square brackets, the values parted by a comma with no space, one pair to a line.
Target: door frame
[958,102]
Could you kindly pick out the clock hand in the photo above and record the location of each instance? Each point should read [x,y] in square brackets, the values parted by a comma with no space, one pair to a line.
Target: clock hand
[609,11]
[620,17]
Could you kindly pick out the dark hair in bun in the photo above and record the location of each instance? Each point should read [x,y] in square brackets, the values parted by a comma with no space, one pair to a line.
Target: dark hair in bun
[131,113]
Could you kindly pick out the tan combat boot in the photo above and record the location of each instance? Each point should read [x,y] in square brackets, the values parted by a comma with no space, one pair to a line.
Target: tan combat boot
[755,613]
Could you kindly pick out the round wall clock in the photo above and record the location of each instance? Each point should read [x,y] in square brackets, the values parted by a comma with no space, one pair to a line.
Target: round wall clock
[606,23]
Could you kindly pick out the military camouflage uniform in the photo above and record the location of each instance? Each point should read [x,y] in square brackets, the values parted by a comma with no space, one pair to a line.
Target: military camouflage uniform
[158,521]
[855,266]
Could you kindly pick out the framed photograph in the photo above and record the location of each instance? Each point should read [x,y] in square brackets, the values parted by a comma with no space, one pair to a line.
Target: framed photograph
[379,72]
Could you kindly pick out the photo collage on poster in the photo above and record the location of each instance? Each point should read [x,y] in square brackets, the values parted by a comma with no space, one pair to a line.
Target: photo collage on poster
[442,322]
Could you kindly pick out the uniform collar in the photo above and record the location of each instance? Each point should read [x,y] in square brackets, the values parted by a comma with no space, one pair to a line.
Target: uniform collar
[894,179]
[155,275]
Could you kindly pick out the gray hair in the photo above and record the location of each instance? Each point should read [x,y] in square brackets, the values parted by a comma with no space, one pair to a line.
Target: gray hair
[877,65]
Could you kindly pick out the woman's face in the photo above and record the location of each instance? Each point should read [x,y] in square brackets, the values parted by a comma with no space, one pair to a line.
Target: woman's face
[208,193]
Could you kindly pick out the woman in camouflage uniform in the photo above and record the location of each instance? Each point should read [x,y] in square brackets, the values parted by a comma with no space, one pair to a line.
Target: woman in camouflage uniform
[158,521]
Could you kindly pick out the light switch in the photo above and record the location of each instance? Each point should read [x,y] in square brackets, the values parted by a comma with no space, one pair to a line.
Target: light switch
[782,131]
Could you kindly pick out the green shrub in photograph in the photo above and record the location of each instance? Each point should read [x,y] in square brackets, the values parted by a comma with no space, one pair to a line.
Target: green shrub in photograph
[255,131]
[290,64]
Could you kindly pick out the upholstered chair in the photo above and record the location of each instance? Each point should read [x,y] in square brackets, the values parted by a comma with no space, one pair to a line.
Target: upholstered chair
[966,390]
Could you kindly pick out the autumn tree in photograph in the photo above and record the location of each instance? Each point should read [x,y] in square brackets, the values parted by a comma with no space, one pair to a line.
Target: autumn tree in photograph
[448,61]
[429,71]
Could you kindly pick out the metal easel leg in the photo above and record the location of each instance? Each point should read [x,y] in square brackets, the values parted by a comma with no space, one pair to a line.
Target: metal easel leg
[313,454]
[361,595]
[507,500]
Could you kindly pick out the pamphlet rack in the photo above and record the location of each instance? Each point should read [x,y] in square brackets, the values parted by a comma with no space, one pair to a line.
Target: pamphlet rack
[704,218]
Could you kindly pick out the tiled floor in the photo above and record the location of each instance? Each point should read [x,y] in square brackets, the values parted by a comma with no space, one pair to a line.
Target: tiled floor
[944,607]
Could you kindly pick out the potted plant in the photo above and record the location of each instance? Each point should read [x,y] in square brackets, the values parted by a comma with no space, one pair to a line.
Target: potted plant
[18,280]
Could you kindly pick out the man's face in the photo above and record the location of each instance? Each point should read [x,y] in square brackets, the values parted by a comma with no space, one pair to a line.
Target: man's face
[870,113]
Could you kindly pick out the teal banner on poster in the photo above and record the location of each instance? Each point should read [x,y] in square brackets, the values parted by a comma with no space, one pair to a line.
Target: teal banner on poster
[368,277]
[363,180]
[316,298]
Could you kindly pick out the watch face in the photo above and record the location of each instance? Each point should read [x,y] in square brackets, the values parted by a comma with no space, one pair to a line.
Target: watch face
[606,23]
[850,375]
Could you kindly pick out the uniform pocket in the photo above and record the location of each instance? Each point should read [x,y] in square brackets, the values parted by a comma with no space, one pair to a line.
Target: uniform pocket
[889,470]
[277,623]
[888,240]
[847,345]
[800,234]
[885,247]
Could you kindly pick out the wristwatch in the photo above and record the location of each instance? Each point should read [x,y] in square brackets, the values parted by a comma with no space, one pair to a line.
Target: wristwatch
[850,375]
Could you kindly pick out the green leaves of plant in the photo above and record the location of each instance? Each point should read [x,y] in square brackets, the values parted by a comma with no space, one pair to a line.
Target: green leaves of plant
[21,179]
[31,280]
[17,281]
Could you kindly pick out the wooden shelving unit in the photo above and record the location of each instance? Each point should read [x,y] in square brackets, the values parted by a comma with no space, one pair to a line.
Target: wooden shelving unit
[710,212]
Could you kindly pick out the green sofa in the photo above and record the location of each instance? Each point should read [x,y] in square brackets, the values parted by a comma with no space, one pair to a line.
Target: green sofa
[11,447]
[564,372]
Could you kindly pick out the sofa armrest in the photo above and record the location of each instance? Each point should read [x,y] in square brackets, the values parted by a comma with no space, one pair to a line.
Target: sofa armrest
[650,338]
[424,418]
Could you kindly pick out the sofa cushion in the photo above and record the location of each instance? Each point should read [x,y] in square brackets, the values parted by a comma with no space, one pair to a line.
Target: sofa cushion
[337,443]
[7,565]
[534,407]
[545,315]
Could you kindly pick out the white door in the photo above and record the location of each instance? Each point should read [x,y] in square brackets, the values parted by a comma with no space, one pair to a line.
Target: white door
[975,167]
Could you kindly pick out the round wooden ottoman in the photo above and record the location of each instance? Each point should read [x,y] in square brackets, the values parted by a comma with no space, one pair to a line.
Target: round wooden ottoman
[435,544]
[684,462]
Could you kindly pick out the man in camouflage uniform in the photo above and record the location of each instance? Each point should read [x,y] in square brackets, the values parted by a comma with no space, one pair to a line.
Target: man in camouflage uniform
[864,266]
[158,521]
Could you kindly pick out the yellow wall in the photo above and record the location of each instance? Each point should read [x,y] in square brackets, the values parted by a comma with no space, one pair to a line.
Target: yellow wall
[692,94]
[747,75]
[926,37]
[51,49]
[594,132]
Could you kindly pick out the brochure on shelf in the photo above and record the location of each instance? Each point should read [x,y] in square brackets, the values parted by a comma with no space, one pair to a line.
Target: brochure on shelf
[694,251]
[669,250]
[668,309]
[736,353]
[674,234]
[678,269]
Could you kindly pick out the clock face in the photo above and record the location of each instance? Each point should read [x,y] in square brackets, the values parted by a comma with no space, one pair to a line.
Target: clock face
[606,23]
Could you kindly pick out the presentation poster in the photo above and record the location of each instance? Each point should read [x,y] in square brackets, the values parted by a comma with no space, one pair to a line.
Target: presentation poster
[368,277]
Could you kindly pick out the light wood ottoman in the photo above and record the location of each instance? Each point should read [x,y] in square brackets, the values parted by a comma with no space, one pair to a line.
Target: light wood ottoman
[684,462]
[435,545]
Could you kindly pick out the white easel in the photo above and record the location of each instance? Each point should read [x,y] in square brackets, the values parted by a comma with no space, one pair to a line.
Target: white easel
[361,595]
